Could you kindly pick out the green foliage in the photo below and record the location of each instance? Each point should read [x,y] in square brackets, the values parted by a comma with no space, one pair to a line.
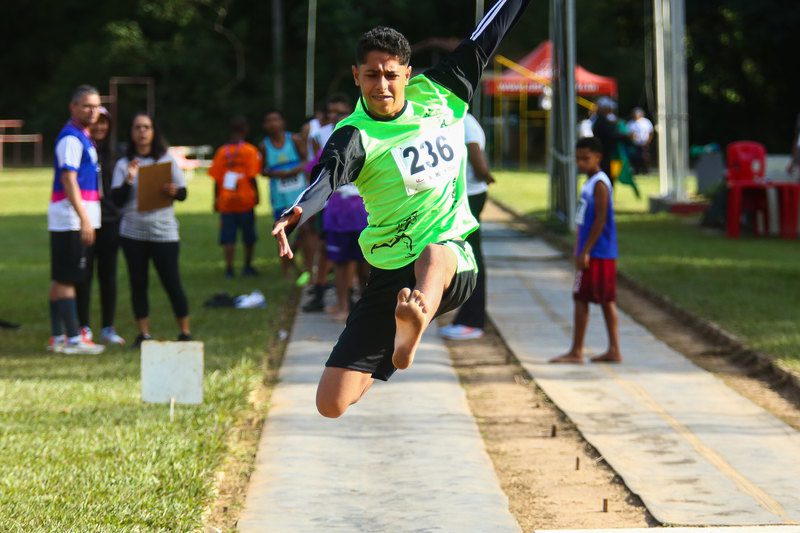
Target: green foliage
[79,451]
[214,58]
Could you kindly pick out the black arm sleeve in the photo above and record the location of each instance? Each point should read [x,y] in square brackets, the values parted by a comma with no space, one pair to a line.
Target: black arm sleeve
[461,70]
[339,164]
[120,195]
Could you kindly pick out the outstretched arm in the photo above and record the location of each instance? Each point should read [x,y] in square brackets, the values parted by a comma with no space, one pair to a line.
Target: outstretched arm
[461,70]
[339,164]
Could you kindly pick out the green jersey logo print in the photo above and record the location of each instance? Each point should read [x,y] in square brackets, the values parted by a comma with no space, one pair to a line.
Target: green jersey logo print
[400,235]
[431,159]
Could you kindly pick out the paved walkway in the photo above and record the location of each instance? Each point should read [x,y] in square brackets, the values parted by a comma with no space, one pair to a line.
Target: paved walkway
[408,457]
[695,451]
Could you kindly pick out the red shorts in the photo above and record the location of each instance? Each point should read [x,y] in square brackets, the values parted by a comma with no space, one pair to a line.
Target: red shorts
[598,283]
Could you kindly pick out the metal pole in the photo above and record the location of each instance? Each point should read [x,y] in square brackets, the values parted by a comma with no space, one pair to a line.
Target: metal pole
[310,48]
[277,52]
[476,98]
[679,97]
[569,38]
[661,99]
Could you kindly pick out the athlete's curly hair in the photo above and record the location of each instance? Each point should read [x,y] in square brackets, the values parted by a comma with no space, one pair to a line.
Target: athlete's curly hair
[386,40]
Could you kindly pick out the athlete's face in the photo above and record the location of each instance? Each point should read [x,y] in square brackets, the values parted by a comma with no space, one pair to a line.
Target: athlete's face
[587,161]
[86,110]
[99,129]
[382,80]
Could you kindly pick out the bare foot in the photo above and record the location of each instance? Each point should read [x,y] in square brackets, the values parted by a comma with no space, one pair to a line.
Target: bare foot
[571,358]
[611,356]
[411,320]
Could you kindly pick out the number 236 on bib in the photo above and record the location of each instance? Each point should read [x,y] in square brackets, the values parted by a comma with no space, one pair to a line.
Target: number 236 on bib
[430,160]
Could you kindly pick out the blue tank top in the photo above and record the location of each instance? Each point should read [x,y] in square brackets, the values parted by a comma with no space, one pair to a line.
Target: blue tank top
[282,193]
[606,245]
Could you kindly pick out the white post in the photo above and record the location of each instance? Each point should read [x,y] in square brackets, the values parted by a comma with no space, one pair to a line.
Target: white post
[679,99]
[661,97]
[310,49]
[569,38]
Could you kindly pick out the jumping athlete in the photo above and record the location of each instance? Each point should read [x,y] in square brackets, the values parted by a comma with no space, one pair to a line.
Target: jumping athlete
[403,148]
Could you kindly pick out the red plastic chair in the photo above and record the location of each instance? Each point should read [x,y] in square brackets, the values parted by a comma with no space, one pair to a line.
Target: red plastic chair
[747,161]
[747,190]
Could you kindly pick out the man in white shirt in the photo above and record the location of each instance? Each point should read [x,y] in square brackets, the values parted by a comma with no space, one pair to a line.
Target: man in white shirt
[641,130]
[471,317]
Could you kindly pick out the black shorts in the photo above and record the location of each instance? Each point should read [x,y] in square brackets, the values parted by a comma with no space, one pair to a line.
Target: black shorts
[230,223]
[367,342]
[69,258]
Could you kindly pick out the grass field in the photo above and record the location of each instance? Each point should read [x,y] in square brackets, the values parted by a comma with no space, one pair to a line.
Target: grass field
[79,451]
[749,286]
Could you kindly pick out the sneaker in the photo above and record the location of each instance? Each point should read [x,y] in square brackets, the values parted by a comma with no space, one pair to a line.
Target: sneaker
[77,346]
[317,302]
[110,335]
[459,332]
[184,337]
[249,271]
[229,273]
[140,338]
[56,343]
[86,334]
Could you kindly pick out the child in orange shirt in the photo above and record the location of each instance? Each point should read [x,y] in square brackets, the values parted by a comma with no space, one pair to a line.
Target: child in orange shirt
[234,170]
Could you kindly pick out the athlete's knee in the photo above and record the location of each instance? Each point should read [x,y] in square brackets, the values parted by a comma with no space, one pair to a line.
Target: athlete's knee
[433,254]
[331,407]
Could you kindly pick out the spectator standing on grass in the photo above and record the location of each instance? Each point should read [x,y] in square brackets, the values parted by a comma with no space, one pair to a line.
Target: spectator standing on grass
[72,219]
[471,317]
[150,235]
[337,107]
[641,131]
[595,255]
[284,165]
[234,170]
[106,244]
[605,129]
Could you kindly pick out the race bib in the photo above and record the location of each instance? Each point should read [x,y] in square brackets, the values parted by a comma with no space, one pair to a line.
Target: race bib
[230,179]
[580,212]
[430,160]
[296,183]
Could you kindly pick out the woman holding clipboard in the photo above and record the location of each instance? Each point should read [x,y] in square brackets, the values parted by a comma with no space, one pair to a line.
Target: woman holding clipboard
[145,184]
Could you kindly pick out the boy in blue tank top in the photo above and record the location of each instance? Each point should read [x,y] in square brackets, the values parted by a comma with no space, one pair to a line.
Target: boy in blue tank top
[595,255]
[284,164]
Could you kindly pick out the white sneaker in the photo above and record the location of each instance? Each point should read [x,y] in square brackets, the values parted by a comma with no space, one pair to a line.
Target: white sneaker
[458,332]
[111,336]
[56,344]
[77,346]
[86,334]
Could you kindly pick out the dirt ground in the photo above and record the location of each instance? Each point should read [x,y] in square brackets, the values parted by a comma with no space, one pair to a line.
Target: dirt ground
[537,471]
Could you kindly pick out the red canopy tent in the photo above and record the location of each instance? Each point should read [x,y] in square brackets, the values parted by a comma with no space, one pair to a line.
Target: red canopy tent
[540,62]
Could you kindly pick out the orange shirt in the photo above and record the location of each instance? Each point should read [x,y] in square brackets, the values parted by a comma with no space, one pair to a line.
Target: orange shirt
[234,170]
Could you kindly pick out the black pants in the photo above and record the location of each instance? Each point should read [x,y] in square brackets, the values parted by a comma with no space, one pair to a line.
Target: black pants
[473,312]
[105,252]
[165,259]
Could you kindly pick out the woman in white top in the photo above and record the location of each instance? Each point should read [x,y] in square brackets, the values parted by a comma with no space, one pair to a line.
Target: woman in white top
[152,234]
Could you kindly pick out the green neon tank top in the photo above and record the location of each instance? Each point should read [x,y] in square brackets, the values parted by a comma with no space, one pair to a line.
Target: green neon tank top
[414,176]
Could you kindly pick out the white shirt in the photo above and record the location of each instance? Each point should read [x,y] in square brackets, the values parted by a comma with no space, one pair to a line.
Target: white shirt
[641,129]
[158,225]
[313,128]
[321,137]
[473,133]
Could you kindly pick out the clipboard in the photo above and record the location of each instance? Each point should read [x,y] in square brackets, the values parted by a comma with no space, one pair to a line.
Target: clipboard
[152,178]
